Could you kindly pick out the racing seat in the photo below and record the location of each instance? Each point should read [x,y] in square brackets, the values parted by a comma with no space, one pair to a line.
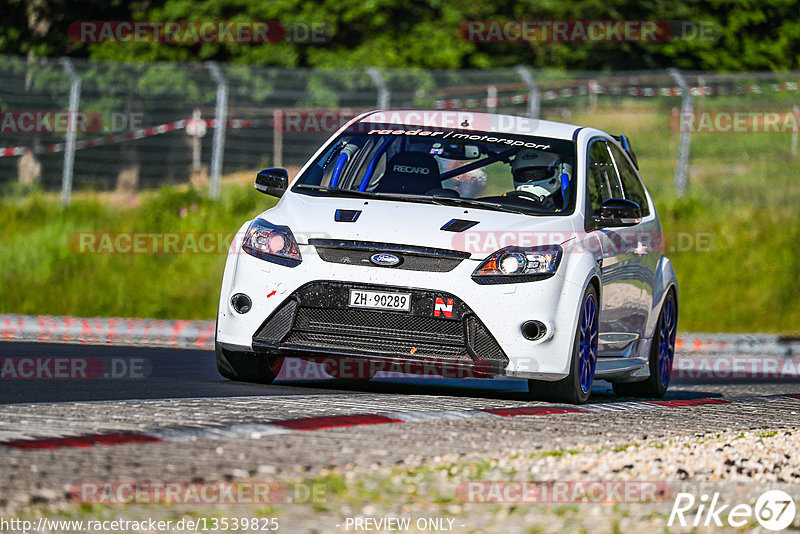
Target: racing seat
[412,173]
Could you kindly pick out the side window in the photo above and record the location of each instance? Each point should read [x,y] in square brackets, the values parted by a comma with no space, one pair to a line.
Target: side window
[634,190]
[602,179]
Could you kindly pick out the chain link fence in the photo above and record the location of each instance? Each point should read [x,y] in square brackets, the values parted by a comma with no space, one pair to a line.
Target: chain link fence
[83,125]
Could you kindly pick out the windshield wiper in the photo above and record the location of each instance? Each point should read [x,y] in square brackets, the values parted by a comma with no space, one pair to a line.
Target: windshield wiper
[474,202]
[433,199]
[330,189]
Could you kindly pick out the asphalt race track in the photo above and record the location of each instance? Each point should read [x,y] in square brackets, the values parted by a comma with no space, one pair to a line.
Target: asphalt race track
[184,373]
[171,373]
[167,413]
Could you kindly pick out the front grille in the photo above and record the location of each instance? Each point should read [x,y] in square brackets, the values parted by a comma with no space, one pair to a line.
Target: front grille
[375,346]
[371,324]
[411,258]
[316,317]
[279,324]
[478,336]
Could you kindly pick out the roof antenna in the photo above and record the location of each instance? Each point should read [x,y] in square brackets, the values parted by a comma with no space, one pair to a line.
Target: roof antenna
[465,124]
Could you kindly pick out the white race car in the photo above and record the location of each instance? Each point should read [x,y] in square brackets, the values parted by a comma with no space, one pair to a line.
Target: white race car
[469,243]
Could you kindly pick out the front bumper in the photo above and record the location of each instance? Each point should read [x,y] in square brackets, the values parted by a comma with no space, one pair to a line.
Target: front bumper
[303,311]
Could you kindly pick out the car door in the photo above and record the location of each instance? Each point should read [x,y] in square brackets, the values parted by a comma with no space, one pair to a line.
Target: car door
[645,237]
[621,291]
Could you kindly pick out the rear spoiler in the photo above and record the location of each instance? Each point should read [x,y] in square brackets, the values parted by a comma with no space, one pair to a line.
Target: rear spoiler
[626,145]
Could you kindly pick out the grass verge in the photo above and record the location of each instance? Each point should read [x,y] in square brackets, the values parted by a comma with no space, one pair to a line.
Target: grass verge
[734,237]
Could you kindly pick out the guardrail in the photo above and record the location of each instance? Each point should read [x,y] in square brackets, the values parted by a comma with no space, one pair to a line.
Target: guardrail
[200,335]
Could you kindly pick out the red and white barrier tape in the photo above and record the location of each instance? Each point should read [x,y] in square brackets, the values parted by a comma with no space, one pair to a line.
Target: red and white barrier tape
[454,103]
[132,135]
[614,90]
[200,334]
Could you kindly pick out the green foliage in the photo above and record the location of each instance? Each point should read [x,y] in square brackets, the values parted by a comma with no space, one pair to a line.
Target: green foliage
[40,27]
[732,240]
[39,254]
[747,35]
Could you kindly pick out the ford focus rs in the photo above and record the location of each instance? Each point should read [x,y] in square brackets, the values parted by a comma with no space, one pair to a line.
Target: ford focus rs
[488,244]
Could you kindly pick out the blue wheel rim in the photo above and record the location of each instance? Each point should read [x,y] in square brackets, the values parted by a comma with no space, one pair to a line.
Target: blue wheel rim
[666,339]
[587,343]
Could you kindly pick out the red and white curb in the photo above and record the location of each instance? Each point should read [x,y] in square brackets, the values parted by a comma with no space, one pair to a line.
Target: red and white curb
[307,424]
[200,335]
[108,331]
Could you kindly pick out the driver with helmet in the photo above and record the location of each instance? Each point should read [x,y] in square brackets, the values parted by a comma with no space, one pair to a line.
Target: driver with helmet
[537,177]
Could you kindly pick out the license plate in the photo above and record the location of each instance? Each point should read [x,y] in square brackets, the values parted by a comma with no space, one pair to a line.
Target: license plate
[380,300]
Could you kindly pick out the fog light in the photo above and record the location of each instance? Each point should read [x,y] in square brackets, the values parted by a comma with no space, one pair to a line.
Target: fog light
[241,303]
[533,330]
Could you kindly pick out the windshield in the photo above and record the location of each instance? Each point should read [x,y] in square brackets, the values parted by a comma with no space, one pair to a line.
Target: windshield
[482,169]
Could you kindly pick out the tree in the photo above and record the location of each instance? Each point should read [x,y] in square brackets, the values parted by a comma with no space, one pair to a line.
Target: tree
[746,34]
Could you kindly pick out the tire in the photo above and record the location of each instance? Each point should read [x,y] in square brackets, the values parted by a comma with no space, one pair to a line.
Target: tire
[244,366]
[577,386]
[662,353]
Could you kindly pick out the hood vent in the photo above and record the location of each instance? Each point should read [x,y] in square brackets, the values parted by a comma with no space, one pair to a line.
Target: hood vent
[458,225]
[346,215]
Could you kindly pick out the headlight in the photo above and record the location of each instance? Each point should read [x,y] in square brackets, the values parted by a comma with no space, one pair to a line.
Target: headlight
[271,243]
[514,264]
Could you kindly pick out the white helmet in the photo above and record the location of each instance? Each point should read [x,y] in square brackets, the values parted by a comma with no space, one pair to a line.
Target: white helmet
[536,172]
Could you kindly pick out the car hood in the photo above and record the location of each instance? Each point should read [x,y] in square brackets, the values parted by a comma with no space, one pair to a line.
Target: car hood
[414,223]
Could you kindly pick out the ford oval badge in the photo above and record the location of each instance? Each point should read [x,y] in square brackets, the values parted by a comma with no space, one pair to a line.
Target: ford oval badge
[384,259]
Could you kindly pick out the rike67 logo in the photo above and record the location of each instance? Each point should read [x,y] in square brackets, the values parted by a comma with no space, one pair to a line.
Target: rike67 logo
[774,510]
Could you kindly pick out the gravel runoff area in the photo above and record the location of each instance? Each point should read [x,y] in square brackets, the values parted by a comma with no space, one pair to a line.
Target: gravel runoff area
[375,473]
[738,466]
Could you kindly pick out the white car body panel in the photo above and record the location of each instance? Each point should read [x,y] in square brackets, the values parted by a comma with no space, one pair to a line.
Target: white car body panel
[502,308]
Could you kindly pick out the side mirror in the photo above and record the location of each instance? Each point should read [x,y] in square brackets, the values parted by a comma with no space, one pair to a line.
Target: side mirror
[618,212]
[272,181]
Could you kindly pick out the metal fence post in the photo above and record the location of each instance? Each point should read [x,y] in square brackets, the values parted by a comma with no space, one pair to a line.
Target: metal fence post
[682,169]
[277,138]
[491,99]
[796,112]
[384,96]
[593,88]
[220,122]
[533,91]
[69,149]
